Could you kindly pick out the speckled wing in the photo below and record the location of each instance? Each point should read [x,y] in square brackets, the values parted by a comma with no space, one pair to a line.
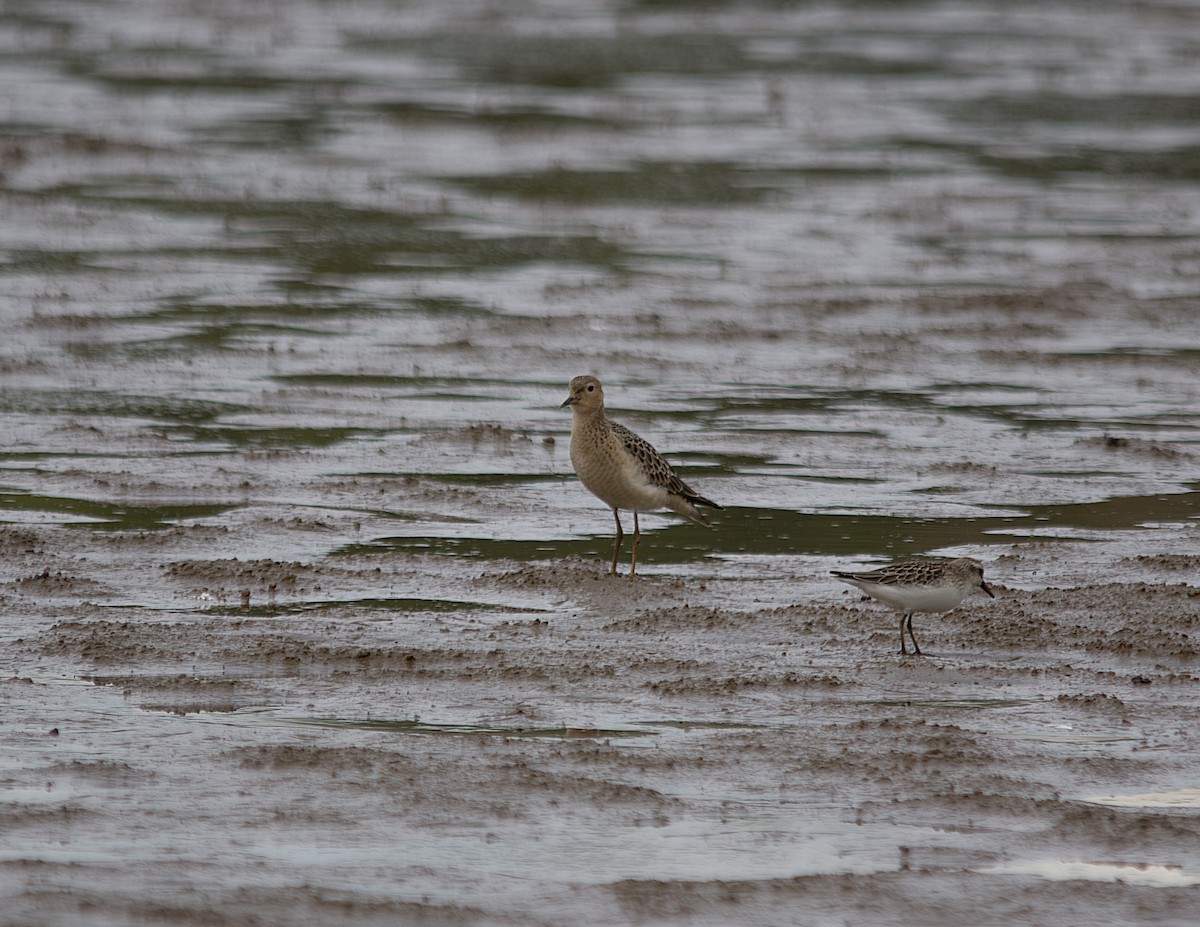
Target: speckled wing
[910,573]
[655,466]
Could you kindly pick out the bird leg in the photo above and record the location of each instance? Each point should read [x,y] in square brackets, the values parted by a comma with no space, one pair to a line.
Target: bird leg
[903,648]
[637,536]
[916,649]
[616,547]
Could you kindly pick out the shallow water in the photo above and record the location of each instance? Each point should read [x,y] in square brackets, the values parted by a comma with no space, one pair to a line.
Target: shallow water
[291,294]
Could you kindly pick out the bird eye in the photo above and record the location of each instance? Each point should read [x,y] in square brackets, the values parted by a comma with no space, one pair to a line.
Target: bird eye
[591,388]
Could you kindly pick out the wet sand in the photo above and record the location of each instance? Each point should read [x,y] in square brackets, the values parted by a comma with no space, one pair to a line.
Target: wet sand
[605,752]
[304,618]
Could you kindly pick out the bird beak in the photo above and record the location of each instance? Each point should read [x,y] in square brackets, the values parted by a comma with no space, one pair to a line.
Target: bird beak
[986,588]
[569,401]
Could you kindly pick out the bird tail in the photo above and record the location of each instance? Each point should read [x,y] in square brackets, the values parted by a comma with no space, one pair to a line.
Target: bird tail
[686,505]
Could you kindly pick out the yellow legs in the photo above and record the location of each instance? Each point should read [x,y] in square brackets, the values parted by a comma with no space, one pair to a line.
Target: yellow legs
[617,547]
[637,536]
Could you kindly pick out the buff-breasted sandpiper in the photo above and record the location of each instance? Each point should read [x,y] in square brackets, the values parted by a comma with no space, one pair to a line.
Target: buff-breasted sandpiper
[621,469]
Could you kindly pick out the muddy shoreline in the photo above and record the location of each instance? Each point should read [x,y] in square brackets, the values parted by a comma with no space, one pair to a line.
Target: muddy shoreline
[603,751]
[304,617]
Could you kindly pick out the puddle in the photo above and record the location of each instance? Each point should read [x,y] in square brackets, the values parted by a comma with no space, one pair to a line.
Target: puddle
[711,184]
[741,531]
[1060,734]
[961,704]
[1175,798]
[53,679]
[107,516]
[470,730]
[635,730]
[399,606]
[779,844]
[50,794]
[99,403]
[706,725]
[1065,737]
[261,437]
[1148,874]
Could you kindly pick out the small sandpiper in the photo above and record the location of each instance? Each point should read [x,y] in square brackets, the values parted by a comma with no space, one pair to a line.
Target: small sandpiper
[621,469]
[919,586]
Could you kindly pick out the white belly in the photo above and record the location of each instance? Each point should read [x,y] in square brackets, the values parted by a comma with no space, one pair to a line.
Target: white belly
[915,598]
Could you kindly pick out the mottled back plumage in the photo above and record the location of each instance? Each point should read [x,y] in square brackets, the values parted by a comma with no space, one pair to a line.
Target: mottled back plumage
[659,472]
[910,573]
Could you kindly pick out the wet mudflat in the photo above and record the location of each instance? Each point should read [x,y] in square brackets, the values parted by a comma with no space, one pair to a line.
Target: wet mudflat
[303,617]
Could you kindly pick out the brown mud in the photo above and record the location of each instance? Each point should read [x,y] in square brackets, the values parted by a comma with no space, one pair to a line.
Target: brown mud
[304,618]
